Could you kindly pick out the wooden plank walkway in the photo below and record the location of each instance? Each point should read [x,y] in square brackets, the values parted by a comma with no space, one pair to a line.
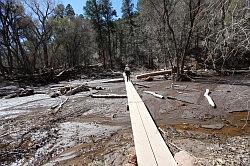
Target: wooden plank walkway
[151,149]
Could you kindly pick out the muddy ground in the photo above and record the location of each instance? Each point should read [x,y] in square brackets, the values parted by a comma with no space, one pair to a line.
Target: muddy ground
[91,131]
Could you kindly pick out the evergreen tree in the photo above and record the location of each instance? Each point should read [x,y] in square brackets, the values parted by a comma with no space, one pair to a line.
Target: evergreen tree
[127,8]
[69,11]
[60,10]
[108,13]
[93,12]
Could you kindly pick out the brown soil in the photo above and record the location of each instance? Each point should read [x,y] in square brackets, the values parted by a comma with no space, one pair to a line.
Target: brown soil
[88,131]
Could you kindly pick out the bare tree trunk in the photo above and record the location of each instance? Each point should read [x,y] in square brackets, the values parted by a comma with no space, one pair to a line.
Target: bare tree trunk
[10,61]
[45,54]
[1,66]
[193,11]
[109,47]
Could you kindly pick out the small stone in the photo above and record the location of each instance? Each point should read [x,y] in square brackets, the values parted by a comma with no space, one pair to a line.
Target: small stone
[233,148]
[183,158]
[221,161]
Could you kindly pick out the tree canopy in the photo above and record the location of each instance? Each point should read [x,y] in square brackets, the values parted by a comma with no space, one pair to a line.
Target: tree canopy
[37,35]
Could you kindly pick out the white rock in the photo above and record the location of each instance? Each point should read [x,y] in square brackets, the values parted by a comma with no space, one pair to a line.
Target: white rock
[183,158]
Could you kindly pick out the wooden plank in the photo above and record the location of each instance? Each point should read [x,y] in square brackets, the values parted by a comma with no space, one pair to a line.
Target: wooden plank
[160,149]
[150,147]
[144,153]
[132,95]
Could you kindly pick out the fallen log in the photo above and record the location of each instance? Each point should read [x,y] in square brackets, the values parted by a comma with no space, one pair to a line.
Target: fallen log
[21,93]
[114,80]
[43,78]
[69,90]
[39,92]
[108,96]
[154,74]
[55,94]
[78,89]
[64,71]
[26,92]
[145,86]
[57,108]
[209,99]
[65,89]
[154,94]
[5,91]
[174,98]
[98,88]
[149,78]
[234,71]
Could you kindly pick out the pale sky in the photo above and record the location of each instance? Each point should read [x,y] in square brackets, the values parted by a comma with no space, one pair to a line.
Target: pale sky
[78,5]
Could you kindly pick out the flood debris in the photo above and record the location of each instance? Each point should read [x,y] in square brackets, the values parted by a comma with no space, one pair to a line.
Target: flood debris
[130,158]
[7,90]
[78,89]
[55,94]
[217,126]
[154,94]
[108,96]
[243,110]
[72,90]
[209,99]
[149,78]
[117,80]
[59,106]
[177,99]
[177,87]
[141,85]
[146,75]
[21,93]
[62,130]
[246,120]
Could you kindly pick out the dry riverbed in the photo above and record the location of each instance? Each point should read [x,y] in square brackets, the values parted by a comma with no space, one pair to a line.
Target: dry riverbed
[92,131]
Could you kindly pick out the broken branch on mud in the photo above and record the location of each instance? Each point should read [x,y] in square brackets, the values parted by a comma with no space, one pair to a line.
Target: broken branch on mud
[117,80]
[78,89]
[108,96]
[60,105]
[145,86]
[174,98]
[246,120]
[154,94]
[209,99]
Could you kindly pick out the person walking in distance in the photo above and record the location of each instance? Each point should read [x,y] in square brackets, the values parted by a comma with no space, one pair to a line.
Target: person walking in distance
[127,72]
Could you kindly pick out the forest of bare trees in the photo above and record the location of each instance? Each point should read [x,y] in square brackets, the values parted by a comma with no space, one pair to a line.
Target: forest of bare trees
[38,36]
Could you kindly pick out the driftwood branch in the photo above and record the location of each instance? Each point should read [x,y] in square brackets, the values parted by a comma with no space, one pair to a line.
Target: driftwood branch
[78,89]
[145,86]
[174,98]
[154,94]
[114,80]
[108,96]
[60,106]
[209,99]
[246,120]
